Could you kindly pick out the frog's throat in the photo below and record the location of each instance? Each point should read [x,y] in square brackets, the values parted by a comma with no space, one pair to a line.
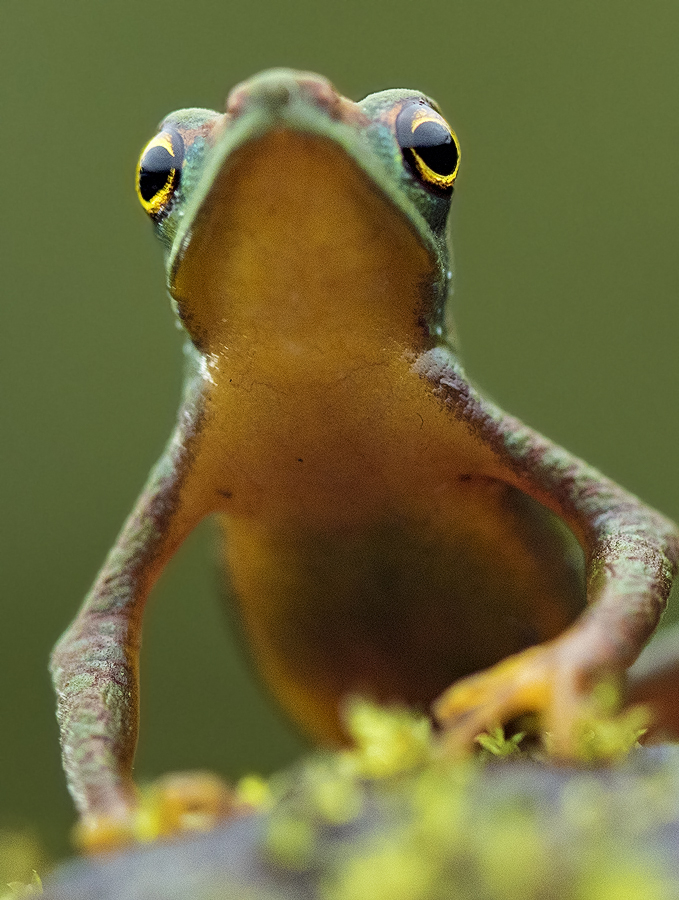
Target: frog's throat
[295,215]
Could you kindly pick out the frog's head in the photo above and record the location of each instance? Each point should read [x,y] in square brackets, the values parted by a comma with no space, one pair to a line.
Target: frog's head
[298,193]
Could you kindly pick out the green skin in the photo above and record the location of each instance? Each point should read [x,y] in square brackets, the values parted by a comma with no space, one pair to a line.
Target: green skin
[630,551]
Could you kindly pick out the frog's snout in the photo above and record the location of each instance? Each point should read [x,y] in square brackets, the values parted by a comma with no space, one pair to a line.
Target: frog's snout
[277,88]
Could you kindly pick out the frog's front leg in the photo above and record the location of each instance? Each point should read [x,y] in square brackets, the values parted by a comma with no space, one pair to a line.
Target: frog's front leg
[95,663]
[631,555]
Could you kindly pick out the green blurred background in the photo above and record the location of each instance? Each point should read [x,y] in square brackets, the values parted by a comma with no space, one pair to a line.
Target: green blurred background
[565,230]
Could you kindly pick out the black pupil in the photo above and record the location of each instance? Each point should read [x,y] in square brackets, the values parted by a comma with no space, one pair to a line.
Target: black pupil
[155,171]
[435,147]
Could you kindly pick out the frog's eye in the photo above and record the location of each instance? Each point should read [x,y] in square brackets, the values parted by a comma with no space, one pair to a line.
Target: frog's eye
[159,171]
[429,144]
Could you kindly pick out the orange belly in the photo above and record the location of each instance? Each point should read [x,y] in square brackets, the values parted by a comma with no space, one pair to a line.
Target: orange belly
[398,609]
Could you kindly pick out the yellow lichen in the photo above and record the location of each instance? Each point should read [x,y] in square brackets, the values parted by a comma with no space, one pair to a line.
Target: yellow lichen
[512,857]
[387,741]
[424,827]
[182,802]
[441,805]
[334,795]
[611,876]
[608,739]
[391,872]
[290,841]
[254,791]
[446,829]
[603,732]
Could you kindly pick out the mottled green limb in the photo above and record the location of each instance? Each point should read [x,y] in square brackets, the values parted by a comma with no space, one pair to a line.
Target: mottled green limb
[631,551]
[94,665]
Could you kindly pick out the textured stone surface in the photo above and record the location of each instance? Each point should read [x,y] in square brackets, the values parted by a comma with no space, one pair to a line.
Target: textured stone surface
[589,825]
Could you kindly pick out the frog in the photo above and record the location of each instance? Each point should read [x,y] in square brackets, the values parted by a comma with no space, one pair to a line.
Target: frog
[386,529]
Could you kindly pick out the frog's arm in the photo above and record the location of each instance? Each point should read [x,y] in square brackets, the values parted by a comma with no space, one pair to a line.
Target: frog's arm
[631,554]
[95,663]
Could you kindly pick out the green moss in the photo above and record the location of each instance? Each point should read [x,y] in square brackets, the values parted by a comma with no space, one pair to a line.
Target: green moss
[20,889]
[254,791]
[291,840]
[21,854]
[387,741]
[606,734]
[446,832]
[495,743]
[394,818]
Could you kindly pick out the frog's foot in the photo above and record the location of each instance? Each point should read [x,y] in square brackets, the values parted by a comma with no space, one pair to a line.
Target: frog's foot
[177,803]
[546,680]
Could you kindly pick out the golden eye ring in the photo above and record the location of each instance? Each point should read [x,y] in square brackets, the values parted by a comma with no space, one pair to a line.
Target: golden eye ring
[429,145]
[159,172]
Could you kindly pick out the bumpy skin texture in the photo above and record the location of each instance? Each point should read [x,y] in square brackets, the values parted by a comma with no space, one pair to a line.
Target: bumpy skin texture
[387,530]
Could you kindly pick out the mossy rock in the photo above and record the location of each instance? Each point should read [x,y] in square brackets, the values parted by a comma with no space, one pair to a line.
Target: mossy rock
[490,829]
